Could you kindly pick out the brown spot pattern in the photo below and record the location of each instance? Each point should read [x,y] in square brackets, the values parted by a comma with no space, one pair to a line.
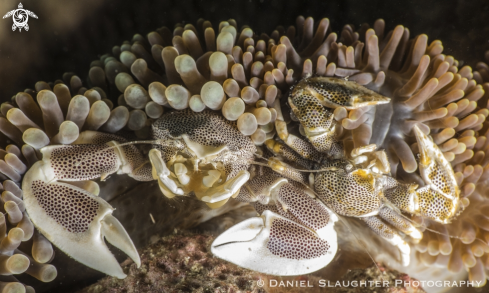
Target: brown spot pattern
[70,208]
[292,241]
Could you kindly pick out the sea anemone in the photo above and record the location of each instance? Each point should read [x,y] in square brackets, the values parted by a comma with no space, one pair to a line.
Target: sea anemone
[242,75]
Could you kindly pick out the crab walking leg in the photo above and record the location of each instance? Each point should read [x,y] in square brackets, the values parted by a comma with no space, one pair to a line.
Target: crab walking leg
[441,185]
[336,92]
[302,147]
[286,152]
[397,221]
[287,171]
[275,245]
[390,235]
[311,101]
[439,198]
[75,220]
[260,189]
[319,125]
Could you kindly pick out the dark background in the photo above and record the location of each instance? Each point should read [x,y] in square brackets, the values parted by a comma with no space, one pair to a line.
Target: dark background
[68,35]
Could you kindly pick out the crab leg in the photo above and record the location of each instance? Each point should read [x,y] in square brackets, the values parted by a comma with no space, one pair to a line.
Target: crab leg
[439,198]
[302,147]
[397,221]
[168,186]
[337,92]
[92,156]
[294,234]
[390,235]
[75,220]
[275,245]
[282,150]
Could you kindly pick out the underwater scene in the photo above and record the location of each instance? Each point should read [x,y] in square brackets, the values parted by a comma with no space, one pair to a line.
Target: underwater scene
[244,146]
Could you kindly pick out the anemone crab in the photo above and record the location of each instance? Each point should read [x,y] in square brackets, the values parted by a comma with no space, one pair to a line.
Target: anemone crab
[300,186]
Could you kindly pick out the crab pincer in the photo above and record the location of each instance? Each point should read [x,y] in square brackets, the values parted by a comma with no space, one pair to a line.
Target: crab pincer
[63,203]
[275,245]
[294,235]
[76,221]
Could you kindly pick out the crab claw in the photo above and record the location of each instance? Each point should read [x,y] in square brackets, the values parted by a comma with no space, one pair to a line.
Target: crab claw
[336,92]
[77,162]
[76,221]
[272,244]
[439,199]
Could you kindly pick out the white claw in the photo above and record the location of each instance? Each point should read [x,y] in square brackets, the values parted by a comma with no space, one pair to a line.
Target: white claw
[181,172]
[211,178]
[272,244]
[80,234]
[226,190]
[115,233]
[161,172]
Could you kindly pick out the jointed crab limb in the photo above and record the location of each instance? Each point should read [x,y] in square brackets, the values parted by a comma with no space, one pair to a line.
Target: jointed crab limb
[309,98]
[92,156]
[280,149]
[336,92]
[439,198]
[390,235]
[115,233]
[287,171]
[319,125]
[294,235]
[81,226]
[85,219]
[348,191]
[302,147]
[391,216]
[275,245]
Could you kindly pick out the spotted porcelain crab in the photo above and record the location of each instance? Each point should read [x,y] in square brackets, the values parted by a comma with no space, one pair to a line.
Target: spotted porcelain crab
[62,201]
[294,234]
[299,186]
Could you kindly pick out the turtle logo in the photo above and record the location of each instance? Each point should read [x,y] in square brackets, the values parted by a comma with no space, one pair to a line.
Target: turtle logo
[20,17]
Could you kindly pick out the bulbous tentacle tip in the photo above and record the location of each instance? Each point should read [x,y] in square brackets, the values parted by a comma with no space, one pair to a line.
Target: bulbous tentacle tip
[264,244]
[80,233]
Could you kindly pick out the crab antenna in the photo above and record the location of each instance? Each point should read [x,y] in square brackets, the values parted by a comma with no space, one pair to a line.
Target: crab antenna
[299,170]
